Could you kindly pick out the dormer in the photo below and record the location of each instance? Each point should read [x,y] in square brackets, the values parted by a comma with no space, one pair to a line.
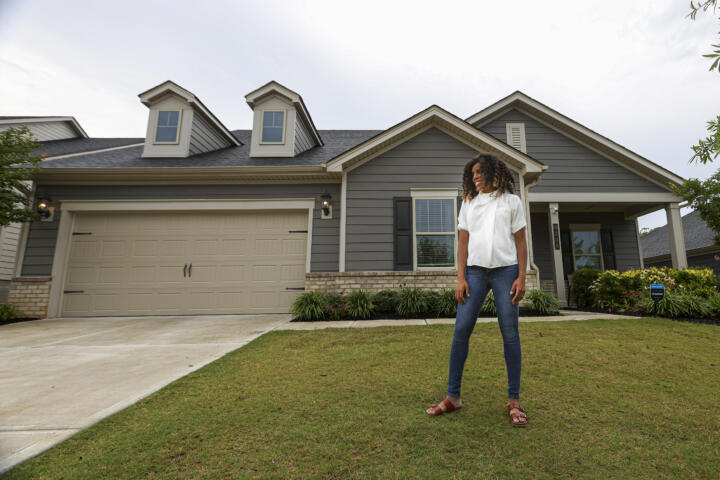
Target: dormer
[179,125]
[282,126]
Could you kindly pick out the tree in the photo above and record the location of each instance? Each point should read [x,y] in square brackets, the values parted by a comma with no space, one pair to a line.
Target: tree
[17,165]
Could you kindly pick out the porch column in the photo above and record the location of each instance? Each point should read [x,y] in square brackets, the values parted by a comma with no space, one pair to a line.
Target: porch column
[556,249]
[676,236]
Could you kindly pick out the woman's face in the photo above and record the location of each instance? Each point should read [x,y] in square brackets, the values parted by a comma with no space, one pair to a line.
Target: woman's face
[479,180]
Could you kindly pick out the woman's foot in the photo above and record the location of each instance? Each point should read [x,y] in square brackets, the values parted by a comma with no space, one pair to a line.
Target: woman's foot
[449,404]
[517,414]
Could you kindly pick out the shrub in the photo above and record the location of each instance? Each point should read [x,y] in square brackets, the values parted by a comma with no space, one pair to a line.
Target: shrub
[432,300]
[669,306]
[694,306]
[715,304]
[542,302]
[335,309]
[412,302]
[310,306]
[7,312]
[386,301]
[581,281]
[447,303]
[358,304]
[489,304]
[701,281]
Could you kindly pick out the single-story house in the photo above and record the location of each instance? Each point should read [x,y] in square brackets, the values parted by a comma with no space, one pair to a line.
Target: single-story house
[701,251]
[199,219]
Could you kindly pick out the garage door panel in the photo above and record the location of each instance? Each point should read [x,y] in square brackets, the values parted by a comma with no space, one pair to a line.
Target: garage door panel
[132,263]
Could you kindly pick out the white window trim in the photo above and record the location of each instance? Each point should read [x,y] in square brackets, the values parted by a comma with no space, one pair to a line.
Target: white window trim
[438,194]
[523,142]
[177,132]
[262,127]
[586,227]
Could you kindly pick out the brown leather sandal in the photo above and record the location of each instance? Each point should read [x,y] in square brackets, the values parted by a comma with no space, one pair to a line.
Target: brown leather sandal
[522,418]
[446,406]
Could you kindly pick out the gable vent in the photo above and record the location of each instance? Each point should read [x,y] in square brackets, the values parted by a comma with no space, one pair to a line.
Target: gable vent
[516,136]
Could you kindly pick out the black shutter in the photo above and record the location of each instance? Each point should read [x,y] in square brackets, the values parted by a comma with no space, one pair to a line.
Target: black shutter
[608,249]
[566,252]
[402,233]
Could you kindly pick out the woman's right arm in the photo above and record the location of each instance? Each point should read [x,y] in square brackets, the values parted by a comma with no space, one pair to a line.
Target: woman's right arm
[462,285]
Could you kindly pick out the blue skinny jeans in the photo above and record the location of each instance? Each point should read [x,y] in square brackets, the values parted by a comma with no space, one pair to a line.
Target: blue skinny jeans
[481,280]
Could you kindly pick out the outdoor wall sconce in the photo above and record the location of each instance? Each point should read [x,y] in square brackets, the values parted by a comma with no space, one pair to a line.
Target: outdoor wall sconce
[44,209]
[326,205]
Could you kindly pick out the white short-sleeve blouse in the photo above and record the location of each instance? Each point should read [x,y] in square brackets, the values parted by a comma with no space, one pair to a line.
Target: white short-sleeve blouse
[492,219]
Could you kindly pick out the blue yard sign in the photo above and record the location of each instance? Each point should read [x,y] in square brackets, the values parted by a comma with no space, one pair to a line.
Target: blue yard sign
[657,291]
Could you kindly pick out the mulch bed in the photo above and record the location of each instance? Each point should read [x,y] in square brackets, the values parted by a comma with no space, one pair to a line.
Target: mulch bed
[16,320]
[524,312]
[710,321]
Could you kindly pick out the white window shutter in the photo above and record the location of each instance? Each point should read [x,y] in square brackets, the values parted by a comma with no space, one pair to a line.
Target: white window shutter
[516,136]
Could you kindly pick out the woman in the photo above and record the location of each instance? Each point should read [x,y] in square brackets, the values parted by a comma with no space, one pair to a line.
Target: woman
[492,253]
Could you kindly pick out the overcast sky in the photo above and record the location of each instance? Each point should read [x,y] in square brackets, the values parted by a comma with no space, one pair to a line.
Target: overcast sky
[631,71]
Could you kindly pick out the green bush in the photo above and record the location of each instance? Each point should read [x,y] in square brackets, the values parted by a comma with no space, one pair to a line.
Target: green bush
[412,302]
[358,305]
[447,303]
[335,309]
[581,281]
[386,301]
[432,300]
[695,306]
[700,281]
[542,302]
[715,304]
[310,306]
[489,304]
[670,306]
[7,312]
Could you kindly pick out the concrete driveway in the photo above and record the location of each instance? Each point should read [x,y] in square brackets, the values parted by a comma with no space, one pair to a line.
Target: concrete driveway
[60,376]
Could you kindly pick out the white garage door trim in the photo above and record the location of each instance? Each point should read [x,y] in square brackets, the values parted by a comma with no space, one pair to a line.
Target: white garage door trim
[69,208]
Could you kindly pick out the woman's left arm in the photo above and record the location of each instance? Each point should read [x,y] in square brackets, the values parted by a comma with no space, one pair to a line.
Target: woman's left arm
[518,286]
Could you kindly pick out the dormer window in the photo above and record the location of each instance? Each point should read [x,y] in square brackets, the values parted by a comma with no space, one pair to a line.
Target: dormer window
[168,126]
[273,127]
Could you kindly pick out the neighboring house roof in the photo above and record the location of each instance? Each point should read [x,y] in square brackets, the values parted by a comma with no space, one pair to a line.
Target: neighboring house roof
[79,145]
[629,159]
[149,96]
[37,119]
[696,232]
[440,118]
[337,142]
[273,87]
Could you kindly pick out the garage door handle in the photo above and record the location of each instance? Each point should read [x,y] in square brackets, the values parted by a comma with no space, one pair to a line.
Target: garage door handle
[185,271]
[297,231]
[294,288]
[190,271]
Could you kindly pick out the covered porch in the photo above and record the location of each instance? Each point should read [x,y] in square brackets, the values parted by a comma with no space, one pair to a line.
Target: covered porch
[570,231]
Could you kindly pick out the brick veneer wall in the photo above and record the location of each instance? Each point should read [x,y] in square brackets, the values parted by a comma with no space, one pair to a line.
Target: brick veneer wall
[373,282]
[30,296]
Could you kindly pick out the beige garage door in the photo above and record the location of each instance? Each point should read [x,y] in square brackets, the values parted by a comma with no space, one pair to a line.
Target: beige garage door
[185,263]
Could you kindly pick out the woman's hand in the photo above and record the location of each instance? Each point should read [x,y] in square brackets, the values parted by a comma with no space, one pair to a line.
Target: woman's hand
[462,287]
[518,287]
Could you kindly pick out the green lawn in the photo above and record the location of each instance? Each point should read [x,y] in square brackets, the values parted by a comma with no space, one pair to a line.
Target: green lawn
[605,399]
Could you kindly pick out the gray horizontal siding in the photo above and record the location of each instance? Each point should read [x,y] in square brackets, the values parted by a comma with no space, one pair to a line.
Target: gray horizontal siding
[429,160]
[42,236]
[46,131]
[542,254]
[204,137]
[572,167]
[303,140]
[705,260]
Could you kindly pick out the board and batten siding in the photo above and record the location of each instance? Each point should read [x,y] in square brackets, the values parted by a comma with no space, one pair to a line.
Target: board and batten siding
[46,131]
[204,138]
[303,140]
[623,231]
[8,248]
[42,236]
[572,167]
[431,159]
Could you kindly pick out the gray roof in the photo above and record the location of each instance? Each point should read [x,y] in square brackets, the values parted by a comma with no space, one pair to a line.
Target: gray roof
[336,142]
[75,145]
[697,235]
[29,116]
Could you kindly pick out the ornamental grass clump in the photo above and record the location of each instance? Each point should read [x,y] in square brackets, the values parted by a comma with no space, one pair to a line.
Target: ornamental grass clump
[447,303]
[488,306]
[310,306]
[7,312]
[358,305]
[412,302]
[542,302]
[386,301]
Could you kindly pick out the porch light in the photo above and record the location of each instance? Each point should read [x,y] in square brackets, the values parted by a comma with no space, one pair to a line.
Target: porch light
[326,203]
[43,207]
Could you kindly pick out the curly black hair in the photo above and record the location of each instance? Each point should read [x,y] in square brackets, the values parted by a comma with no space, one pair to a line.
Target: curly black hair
[495,174]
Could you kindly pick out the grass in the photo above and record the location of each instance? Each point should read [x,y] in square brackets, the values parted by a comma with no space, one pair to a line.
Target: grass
[606,399]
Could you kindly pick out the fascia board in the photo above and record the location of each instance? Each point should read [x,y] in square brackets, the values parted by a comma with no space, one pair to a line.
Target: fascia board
[72,120]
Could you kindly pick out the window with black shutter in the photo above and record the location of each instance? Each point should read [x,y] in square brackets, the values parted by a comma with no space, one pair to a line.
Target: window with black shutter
[402,233]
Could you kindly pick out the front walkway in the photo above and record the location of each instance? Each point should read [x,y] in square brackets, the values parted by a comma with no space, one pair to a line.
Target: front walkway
[565,315]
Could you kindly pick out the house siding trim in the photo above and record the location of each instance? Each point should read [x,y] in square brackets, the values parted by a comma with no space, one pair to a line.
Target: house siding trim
[69,208]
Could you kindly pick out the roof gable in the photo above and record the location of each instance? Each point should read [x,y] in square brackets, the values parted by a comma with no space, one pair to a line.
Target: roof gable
[583,135]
